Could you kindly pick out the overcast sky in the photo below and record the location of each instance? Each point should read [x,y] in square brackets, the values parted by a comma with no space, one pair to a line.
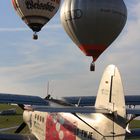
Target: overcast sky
[26,65]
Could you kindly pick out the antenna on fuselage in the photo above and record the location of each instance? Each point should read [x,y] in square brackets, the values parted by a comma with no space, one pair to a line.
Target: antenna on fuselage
[48,95]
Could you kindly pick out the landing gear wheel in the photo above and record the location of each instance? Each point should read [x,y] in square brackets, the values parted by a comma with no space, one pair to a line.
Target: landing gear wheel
[35,36]
[92,66]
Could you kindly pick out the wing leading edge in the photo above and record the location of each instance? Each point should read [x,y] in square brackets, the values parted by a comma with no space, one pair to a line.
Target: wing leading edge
[84,101]
[22,99]
[135,134]
[36,100]
[134,111]
[16,137]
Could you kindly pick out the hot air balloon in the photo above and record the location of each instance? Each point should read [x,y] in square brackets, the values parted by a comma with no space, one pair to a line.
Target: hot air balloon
[93,24]
[36,13]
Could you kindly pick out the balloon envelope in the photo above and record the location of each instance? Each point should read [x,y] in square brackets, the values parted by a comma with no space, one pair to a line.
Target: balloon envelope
[36,13]
[93,24]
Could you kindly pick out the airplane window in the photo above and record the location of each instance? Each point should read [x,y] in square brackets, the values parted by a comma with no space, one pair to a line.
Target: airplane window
[38,117]
[85,134]
[43,119]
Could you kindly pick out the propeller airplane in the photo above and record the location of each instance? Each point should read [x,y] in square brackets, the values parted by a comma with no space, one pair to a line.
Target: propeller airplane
[105,117]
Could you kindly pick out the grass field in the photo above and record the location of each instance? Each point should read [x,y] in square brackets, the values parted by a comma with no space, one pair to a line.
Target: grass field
[7,121]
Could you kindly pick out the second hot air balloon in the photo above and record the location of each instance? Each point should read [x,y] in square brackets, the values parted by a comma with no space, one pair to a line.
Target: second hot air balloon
[93,24]
[36,13]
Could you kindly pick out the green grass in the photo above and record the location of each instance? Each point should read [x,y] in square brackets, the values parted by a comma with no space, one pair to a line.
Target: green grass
[135,124]
[7,121]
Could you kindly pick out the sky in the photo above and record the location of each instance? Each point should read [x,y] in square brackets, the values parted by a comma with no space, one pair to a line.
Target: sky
[26,66]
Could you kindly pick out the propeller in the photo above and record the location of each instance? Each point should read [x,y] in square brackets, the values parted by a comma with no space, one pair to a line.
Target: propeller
[21,106]
[23,125]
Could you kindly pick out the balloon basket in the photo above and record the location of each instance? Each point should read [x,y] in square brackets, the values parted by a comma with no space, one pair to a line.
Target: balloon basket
[35,36]
[92,66]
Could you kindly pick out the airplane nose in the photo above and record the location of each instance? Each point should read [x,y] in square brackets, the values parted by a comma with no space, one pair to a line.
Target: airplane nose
[27,116]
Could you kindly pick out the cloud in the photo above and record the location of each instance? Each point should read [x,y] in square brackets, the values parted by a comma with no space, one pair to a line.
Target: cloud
[55,57]
[13,29]
[21,29]
[124,52]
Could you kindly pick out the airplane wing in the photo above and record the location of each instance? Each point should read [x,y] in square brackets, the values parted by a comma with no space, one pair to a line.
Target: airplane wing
[135,111]
[135,134]
[132,99]
[22,99]
[82,100]
[16,137]
[90,100]
[71,109]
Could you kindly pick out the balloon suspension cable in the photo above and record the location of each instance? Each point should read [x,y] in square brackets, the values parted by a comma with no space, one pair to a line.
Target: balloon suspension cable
[92,66]
[35,36]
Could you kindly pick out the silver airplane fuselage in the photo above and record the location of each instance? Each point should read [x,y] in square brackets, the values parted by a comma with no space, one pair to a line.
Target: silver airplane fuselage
[91,126]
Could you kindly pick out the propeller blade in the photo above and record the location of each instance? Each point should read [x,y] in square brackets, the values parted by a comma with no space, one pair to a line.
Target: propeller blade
[20,128]
[21,106]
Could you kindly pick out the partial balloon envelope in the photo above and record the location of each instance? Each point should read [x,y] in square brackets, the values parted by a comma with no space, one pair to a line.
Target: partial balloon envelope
[36,13]
[93,24]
